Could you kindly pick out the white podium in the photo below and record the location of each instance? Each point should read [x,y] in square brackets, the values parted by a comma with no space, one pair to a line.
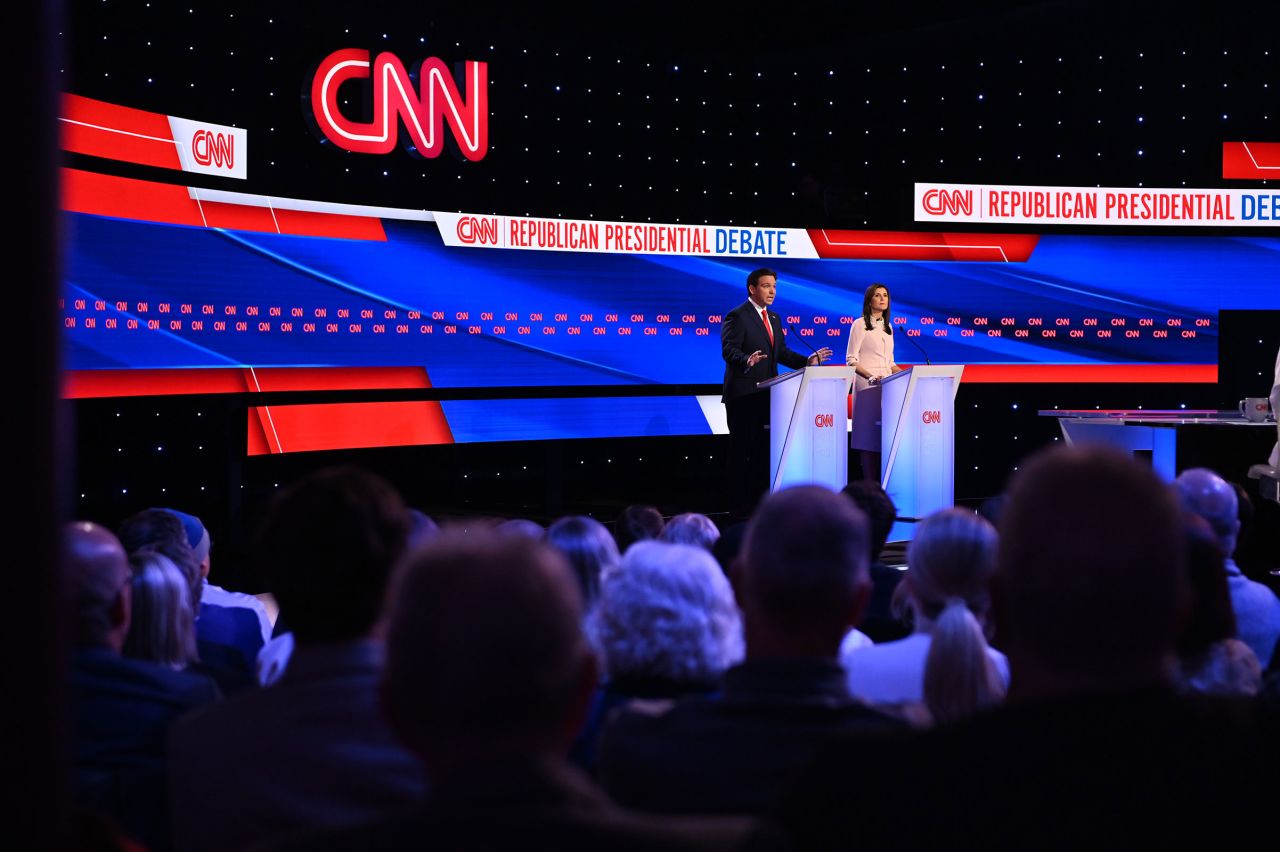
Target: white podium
[808,427]
[917,441]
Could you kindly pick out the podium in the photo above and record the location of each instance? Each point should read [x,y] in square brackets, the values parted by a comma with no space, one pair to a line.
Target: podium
[808,431]
[917,441]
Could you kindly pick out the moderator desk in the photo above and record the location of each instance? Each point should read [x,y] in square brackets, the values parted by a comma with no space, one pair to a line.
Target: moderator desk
[1156,433]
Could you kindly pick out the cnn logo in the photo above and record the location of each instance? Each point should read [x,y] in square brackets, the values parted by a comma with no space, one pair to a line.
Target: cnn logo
[939,202]
[824,420]
[423,108]
[931,417]
[214,149]
[476,229]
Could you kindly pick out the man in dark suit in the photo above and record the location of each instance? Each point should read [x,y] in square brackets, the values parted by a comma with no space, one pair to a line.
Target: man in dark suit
[120,709]
[801,583]
[752,344]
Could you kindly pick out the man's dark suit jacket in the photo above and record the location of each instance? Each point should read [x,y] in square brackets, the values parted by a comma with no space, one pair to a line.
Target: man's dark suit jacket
[532,804]
[742,333]
[1145,769]
[733,754]
[121,710]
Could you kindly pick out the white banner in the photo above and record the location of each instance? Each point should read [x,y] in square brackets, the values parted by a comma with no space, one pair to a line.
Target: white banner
[1088,205]
[211,149]
[518,232]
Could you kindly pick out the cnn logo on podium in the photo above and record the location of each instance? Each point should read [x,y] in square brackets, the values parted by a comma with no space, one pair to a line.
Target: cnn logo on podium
[930,417]
[824,421]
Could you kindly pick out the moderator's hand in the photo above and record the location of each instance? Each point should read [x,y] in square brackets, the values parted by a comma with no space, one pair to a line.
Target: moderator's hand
[754,358]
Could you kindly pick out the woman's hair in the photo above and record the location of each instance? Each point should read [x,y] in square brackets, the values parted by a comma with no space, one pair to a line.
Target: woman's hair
[162,627]
[666,612]
[589,548]
[949,564]
[866,308]
[691,528]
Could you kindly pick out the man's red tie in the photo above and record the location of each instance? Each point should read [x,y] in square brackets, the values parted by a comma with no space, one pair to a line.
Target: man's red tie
[768,327]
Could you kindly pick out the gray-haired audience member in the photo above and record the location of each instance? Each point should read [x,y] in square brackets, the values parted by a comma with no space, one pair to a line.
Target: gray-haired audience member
[491,723]
[314,749]
[691,528]
[666,625]
[1093,747]
[120,708]
[1256,607]
[801,582]
[589,548]
[667,614]
[162,627]
[945,664]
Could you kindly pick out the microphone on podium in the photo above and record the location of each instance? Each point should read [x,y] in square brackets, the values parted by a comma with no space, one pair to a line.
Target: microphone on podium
[792,329]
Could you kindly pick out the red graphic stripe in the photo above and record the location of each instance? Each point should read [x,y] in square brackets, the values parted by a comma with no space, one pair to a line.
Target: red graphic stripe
[912,245]
[341,426]
[92,384]
[1091,373]
[1251,160]
[312,224]
[117,133]
[128,198]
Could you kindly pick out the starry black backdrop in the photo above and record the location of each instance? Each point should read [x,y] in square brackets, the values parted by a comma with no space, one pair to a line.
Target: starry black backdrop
[799,115]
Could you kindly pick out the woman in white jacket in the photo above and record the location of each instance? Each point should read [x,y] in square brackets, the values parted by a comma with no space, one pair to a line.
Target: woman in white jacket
[870,353]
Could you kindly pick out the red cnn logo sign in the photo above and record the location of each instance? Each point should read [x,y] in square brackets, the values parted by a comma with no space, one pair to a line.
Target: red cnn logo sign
[423,112]
[931,417]
[473,229]
[824,420]
[214,149]
[941,201]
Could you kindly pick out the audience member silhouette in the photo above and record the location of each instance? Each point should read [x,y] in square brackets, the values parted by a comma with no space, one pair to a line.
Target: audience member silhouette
[1093,748]
[589,548]
[690,528]
[162,625]
[945,665]
[801,582]
[666,625]
[1211,660]
[120,708]
[880,624]
[636,523]
[491,725]
[312,749]
[211,595]
[226,638]
[1257,609]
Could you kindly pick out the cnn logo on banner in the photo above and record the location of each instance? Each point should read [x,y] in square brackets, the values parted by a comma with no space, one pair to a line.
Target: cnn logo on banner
[424,110]
[824,420]
[211,149]
[214,149]
[477,229]
[948,202]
